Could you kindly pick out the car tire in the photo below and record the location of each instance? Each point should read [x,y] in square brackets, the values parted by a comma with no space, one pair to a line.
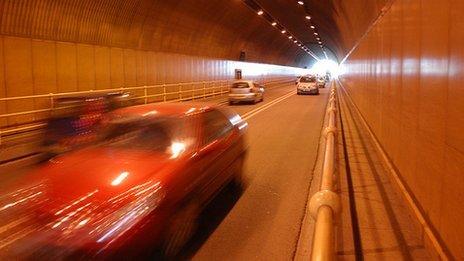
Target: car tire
[182,227]
[231,103]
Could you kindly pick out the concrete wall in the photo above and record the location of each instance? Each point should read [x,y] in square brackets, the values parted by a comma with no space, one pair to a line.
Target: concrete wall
[406,77]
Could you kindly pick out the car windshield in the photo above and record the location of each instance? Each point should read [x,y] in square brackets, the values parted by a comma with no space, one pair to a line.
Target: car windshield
[240,85]
[157,135]
[307,79]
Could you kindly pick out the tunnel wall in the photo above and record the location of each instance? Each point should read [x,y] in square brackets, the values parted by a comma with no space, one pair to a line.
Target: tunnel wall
[406,77]
[34,66]
[50,46]
[219,29]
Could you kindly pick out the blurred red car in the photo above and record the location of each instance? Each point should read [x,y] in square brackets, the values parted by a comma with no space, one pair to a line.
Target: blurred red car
[144,185]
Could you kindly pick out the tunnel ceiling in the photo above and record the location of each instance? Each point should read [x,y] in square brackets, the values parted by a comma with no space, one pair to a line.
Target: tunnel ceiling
[339,23]
[220,29]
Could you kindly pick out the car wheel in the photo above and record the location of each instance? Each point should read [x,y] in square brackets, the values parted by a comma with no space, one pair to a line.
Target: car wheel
[182,227]
[231,103]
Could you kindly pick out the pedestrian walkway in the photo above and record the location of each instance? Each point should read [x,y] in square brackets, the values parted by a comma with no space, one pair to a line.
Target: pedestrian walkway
[376,223]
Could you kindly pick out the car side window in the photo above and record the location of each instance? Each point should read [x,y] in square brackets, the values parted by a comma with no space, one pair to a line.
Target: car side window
[215,125]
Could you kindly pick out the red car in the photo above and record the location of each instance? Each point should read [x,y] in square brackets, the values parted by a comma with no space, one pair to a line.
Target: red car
[145,184]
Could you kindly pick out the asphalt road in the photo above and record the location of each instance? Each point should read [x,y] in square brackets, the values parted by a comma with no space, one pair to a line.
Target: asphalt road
[263,221]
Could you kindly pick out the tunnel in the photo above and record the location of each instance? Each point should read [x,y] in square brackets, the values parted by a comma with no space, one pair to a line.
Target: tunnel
[372,167]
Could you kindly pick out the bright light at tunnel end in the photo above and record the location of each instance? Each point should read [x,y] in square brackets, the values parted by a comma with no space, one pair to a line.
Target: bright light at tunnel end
[326,65]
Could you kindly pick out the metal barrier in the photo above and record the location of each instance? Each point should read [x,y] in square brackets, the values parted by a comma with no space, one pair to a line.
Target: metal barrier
[325,204]
[148,94]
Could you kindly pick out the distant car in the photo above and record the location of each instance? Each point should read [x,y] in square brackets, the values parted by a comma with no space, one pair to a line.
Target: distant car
[246,91]
[145,184]
[307,85]
[321,82]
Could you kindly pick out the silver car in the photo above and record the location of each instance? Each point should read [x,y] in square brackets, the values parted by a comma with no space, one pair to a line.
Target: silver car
[320,82]
[307,85]
[246,91]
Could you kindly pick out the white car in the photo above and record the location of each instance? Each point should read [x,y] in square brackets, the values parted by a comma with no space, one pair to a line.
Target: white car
[246,91]
[307,85]
[321,82]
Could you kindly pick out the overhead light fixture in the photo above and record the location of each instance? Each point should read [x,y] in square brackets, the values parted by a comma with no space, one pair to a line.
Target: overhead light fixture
[319,42]
[295,41]
[283,31]
[260,12]
[315,33]
[274,24]
[312,27]
[318,38]
[300,2]
[308,17]
[299,44]
[290,37]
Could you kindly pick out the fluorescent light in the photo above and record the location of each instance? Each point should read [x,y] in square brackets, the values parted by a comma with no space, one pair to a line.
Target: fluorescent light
[312,26]
[300,2]
[308,17]
[260,12]
[283,31]
[274,23]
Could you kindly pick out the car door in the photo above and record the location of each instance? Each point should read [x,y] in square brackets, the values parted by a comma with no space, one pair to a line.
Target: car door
[215,155]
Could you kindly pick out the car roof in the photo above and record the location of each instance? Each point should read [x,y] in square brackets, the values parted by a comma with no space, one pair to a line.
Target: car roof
[160,110]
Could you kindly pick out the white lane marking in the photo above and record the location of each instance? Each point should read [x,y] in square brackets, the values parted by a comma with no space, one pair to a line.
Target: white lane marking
[266,106]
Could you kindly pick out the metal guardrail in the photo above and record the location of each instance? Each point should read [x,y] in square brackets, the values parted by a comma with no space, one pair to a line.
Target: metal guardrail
[325,204]
[154,93]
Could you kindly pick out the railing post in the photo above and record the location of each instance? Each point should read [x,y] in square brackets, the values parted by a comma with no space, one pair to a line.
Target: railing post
[204,90]
[193,92]
[164,92]
[145,94]
[52,102]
